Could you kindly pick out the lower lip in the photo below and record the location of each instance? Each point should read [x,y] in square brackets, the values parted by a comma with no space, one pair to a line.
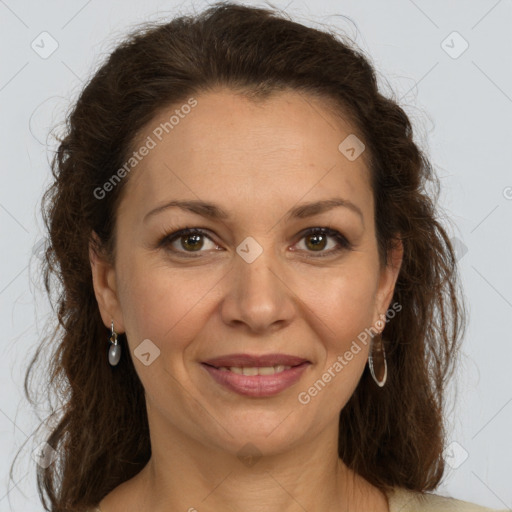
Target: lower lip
[257,385]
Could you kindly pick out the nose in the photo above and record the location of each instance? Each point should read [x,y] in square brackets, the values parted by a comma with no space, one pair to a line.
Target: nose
[258,296]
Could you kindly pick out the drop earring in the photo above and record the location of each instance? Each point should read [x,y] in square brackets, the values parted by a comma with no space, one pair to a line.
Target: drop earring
[114,352]
[377,361]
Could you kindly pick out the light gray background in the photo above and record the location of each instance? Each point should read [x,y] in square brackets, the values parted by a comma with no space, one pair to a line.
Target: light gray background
[461,108]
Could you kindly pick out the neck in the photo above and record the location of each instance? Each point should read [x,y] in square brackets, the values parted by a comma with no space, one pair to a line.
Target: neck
[185,474]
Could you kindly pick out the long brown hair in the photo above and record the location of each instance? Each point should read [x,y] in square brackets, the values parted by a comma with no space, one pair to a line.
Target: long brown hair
[394,436]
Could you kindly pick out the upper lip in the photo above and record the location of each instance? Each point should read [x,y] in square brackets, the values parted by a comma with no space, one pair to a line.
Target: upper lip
[240,360]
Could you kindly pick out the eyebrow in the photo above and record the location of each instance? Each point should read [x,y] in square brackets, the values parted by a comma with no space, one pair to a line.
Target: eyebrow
[215,212]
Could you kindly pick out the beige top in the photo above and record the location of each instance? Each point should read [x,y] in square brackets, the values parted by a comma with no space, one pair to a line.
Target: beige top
[404,500]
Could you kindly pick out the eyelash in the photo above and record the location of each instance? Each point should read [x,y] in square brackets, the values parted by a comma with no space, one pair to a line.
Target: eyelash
[167,240]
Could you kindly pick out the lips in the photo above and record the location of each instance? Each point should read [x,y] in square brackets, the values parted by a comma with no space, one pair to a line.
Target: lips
[256,376]
[266,360]
[257,386]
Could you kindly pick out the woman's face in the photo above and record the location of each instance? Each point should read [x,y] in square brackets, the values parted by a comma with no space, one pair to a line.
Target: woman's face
[255,282]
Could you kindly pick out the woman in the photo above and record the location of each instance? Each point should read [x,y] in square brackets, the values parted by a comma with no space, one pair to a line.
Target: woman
[242,215]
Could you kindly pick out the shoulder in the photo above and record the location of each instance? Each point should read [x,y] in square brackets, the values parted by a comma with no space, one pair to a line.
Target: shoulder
[404,500]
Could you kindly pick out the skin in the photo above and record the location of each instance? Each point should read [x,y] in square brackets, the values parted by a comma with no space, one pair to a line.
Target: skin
[256,161]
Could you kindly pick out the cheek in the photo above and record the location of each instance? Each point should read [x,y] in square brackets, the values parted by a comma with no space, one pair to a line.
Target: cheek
[346,309]
[346,312]
[346,303]
[163,304]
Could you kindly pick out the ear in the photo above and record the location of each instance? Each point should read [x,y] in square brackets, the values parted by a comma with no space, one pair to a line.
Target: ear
[388,277]
[105,288]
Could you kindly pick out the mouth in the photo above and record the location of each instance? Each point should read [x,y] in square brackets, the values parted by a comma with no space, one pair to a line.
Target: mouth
[254,370]
[250,361]
[256,376]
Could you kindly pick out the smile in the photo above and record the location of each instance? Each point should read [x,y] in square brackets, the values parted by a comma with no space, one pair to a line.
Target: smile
[258,382]
[255,370]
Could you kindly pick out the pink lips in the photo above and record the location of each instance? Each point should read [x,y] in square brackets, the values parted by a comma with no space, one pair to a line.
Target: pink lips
[256,385]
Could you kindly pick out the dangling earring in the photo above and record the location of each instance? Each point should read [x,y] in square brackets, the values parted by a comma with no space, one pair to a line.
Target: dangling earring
[114,352]
[378,356]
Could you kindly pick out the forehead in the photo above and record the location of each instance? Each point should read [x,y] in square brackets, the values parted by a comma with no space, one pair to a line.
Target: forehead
[283,148]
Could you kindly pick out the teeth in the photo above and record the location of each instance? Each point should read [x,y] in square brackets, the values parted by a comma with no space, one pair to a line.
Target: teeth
[263,370]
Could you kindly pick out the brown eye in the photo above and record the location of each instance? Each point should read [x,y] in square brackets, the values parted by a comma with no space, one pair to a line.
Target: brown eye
[316,240]
[191,240]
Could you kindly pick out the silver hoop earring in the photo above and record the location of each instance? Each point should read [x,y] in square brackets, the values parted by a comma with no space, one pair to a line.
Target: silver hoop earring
[114,352]
[377,362]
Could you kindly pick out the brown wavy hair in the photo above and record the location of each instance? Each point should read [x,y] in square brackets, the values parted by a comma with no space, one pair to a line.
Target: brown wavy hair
[394,436]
